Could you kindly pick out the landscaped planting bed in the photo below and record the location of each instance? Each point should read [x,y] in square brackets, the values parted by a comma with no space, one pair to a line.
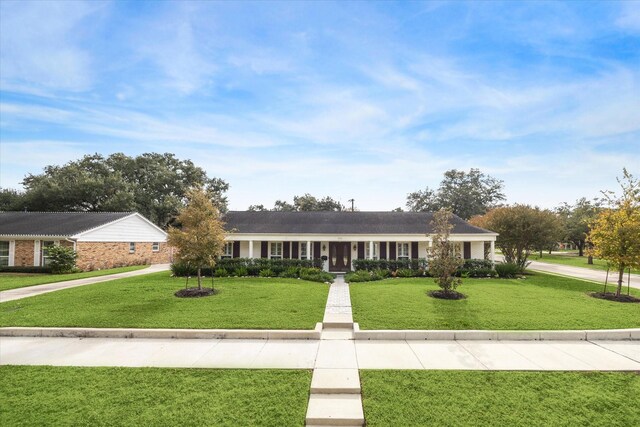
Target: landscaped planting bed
[46,395]
[477,398]
[21,280]
[540,301]
[148,302]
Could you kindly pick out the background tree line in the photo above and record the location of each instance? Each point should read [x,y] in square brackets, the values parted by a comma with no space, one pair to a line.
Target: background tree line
[152,184]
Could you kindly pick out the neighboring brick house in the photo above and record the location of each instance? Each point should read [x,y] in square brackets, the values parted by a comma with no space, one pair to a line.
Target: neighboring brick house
[101,239]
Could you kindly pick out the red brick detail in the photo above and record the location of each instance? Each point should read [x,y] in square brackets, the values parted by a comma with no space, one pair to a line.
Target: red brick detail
[101,255]
[24,253]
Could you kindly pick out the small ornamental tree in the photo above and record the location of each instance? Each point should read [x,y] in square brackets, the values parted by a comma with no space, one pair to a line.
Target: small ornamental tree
[444,257]
[199,239]
[615,233]
[62,259]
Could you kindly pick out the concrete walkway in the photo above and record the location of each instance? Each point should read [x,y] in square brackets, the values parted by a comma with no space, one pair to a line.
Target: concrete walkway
[584,273]
[30,291]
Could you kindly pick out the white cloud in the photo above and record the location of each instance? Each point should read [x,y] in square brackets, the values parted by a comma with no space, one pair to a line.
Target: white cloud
[629,18]
[40,46]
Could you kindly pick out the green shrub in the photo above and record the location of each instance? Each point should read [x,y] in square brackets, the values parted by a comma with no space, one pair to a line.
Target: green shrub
[363,276]
[220,272]
[62,259]
[267,272]
[389,264]
[315,275]
[241,272]
[404,272]
[252,266]
[507,270]
[291,272]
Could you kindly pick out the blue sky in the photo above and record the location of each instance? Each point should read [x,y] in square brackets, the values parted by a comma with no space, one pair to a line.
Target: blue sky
[356,100]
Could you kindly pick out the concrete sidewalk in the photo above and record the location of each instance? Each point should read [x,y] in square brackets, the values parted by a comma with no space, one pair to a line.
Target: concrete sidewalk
[323,354]
[584,273]
[30,291]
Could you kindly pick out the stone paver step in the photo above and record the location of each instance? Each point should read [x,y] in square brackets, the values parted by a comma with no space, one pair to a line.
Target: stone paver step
[335,410]
[337,320]
[335,381]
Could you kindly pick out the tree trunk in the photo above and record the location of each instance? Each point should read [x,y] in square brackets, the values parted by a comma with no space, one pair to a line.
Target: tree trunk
[620,280]
[590,259]
[199,278]
[580,249]
[540,252]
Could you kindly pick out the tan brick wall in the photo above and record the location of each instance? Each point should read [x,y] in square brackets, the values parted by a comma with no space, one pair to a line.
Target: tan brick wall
[100,255]
[24,253]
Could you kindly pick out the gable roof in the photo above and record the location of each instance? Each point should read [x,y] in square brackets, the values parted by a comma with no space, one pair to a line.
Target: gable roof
[268,222]
[55,223]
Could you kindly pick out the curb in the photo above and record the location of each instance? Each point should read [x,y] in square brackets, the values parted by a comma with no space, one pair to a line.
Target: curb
[259,334]
[474,335]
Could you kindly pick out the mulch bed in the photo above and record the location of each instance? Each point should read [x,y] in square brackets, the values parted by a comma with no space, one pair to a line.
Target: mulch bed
[195,292]
[610,296]
[447,295]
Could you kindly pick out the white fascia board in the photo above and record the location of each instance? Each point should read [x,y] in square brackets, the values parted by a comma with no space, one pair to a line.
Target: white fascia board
[79,235]
[285,237]
[33,237]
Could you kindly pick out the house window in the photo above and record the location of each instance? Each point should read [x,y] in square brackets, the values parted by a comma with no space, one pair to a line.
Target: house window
[367,252]
[228,250]
[4,254]
[132,247]
[403,251]
[155,246]
[305,251]
[275,251]
[46,245]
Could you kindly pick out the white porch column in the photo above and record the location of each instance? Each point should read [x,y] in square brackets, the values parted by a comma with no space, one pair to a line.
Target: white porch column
[309,251]
[371,249]
[250,248]
[36,253]
[12,253]
[493,251]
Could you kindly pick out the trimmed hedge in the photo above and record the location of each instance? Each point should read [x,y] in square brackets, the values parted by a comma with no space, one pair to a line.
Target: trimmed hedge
[260,267]
[252,266]
[476,268]
[389,264]
[25,269]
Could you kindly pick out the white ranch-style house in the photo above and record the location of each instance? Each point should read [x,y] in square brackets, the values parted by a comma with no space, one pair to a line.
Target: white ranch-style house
[341,237]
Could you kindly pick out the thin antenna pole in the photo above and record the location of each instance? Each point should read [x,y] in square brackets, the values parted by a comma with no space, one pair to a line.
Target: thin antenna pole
[352,205]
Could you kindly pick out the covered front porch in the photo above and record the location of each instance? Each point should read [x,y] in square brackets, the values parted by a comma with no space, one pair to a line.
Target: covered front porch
[338,252]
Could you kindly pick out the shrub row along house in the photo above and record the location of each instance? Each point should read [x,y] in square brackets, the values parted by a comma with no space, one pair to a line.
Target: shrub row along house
[101,239]
[340,237]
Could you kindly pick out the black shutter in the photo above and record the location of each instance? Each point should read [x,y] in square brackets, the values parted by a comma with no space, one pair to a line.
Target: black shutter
[236,249]
[316,250]
[360,250]
[264,249]
[383,250]
[392,250]
[414,250]
[294,250]
[467,250]
[286,250]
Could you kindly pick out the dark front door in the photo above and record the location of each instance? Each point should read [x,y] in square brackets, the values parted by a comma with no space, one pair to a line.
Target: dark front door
[339,256]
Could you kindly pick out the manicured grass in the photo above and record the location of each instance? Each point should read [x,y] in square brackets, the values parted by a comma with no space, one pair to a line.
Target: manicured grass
[21,280]
[148,302]
[476,398]
[46,395]
[572,259]
[540,301]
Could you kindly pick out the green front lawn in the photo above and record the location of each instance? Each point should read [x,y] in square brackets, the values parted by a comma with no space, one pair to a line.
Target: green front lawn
[540,301]
[21,280]
[572,259]
[148,302]
[46,395]
[476,398]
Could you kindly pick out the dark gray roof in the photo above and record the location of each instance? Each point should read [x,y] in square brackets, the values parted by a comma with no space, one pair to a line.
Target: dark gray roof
[54,223]
[339,223]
